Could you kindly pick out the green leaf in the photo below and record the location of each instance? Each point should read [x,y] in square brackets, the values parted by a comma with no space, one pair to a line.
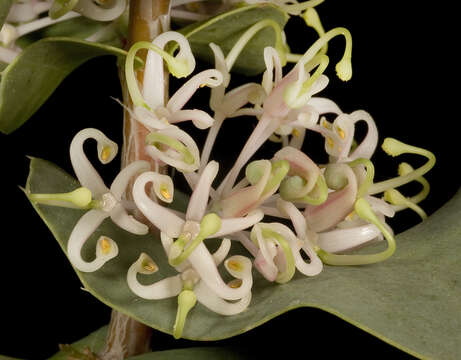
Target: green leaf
[225,29]
[411,301]
[76,28]
[4,10]
[95,342]
[3,357]
[33,76]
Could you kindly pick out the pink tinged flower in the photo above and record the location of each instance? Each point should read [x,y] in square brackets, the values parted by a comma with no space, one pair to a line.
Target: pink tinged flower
[302,170]
[339,202]
[245,199]
[189,228]
[107,203]
[279,248]
[275,111]
[306,240]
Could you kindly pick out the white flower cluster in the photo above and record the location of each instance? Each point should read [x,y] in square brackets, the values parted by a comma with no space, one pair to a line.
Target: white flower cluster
[324,210]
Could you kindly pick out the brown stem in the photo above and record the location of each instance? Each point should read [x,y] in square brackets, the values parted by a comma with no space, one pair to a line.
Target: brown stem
[148,18]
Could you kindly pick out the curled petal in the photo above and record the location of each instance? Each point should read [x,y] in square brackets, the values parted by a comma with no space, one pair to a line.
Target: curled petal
[121,181]
[220,254]
[344,129]
[315,265]
[277,239]
[163,187]
[209,299]
[199,200]
[86,173]
[180,65]
[211,77]
[272,61]
[300,165]
[309,269]
[184,55]
[324,105]
[103,11]
[185,158]
[264,260]
[368,145]
[232,225]
[162,289]
[337,206]
[204,264]
[242,201]
[127,222]
[217,93]
[344,239]
[87,224]
[158,215]
[238,266]
[199,118]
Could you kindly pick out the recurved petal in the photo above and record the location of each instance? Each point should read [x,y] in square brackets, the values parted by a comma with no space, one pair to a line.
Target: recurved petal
[199,118]
[160,216]
[86,173]
[121,181]
[87,224]
[213,302]
[127,222]
[211,77]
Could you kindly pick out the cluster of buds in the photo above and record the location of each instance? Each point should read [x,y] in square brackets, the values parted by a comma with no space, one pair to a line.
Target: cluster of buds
[323,210]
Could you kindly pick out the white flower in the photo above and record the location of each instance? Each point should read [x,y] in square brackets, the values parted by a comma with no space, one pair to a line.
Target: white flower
[108,202]
[195,228]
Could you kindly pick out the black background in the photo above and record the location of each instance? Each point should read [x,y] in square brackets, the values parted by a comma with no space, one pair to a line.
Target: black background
[402,72]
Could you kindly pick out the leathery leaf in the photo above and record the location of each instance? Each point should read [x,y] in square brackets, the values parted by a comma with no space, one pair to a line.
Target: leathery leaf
[411,301]
[33,76]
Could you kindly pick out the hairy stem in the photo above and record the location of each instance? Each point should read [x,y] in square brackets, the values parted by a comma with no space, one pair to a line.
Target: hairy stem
[148,18]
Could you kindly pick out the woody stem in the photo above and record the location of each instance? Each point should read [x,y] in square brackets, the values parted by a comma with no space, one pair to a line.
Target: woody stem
[148,18]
